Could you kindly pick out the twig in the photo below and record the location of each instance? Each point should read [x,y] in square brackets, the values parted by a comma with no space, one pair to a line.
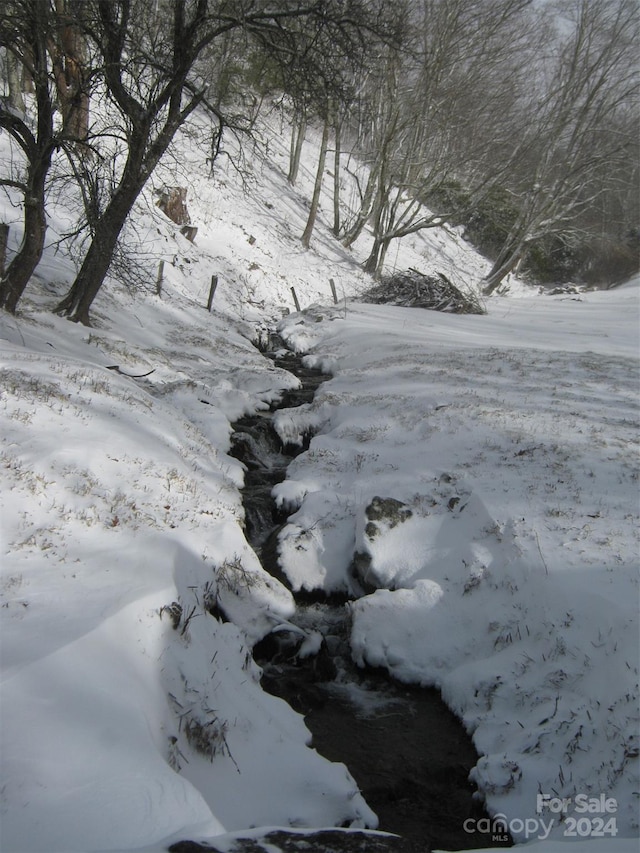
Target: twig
[129,375]
[544,562]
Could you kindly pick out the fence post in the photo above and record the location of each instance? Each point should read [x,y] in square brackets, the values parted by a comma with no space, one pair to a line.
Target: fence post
[160,277]
[212,291]
[295,299]
[333,291]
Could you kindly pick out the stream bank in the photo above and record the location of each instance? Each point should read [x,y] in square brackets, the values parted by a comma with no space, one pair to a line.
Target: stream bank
[408,753]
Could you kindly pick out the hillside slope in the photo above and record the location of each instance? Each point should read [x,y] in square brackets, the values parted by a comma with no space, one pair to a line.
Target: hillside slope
[131,716]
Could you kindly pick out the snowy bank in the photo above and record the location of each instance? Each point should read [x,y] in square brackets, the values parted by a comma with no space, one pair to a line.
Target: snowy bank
[511,580]
[131,712]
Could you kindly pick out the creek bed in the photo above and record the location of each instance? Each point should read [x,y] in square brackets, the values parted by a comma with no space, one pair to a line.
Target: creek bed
[410,756]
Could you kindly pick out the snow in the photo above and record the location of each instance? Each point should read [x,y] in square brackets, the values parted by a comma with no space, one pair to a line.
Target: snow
[513,587]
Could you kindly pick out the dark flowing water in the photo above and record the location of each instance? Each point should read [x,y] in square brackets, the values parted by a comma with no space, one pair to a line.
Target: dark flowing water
[408,753]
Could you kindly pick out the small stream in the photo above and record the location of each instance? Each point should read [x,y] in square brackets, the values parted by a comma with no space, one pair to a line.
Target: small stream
[408,753]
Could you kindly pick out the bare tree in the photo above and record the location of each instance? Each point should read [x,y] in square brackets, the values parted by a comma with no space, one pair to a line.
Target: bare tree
[24,29]
[422,101]
[567,159]
[317,187]
[298,133]
[338,122]
[319,81]
[379,116]
[150,71]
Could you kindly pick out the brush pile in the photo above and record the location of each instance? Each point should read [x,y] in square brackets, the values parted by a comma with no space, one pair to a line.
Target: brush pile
[413,289]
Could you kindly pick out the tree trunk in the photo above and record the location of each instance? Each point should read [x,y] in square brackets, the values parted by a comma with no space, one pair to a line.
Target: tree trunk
[382,225]
[15,83]
[28,84]
[28,257]
[77,123]
[336,179]
[383,255]
[315,201]
[95,266]
[4,239]
[69,64]
[298,134]
[39,149]
[373,264]
[352,234]
[374,199]
[502,268]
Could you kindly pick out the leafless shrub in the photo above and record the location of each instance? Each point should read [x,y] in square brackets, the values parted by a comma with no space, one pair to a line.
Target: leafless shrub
[209,738]
[232,575]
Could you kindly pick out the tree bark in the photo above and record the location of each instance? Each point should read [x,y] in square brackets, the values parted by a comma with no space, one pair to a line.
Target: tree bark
[28,85]
[22,266]
[315,201]
[502,268]
[15,83]
[298,134]
[4,239]
[336,178]
[69,58]
[38,150]
[373,264]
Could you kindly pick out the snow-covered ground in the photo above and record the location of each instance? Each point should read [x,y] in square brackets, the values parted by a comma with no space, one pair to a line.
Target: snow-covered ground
[512,582]
[130,715]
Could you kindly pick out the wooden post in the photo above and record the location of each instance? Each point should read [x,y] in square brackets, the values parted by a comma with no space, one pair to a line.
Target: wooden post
[333,291]
[4,239]
[212,291]
[160,277]
[295,299]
